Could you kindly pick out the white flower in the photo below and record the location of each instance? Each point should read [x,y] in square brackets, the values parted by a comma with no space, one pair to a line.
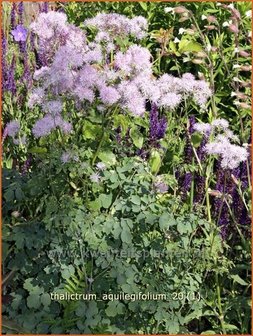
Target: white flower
[202,128]
[95,177]
[209,47]
[233,94]
[176,40]
[250,34]
[236,66]
[227,23]
[168,9]
[231,6]
[203,17]
[222,123]
[181,31]
[100,166]
[249,13]
[236,50]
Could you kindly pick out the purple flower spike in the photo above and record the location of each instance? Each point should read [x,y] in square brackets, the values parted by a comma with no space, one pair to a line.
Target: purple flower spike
[157,127]
[19,33]
[4,65]
[11,84]
[45,7]
[200,189]
[20,12]
[13,15]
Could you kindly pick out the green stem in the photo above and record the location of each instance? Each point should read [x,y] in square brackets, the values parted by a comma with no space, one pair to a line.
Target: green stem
[99,146]
[105,123]
[221,316]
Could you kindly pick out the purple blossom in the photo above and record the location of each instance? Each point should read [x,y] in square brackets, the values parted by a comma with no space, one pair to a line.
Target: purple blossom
[200,188]
[11,83]
[13,15]
[203,128]
[11,129]
[118,25]
[109,95]
[188,152]
[201,149]
[157,128]
[161,187]
[4,65]
[231,155]
[186,184]
[95,177]
[66,156]
[19,33]
[21,12]
[48,123]
[26,165]
[101,166]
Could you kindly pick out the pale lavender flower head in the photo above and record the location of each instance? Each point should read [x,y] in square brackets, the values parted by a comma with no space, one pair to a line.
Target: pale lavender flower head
[36,97]
[170,100]
[134,61]
[101,166]
[11,129]
[53,107]
[203,128]
[231,155]
[201,93]
[65,157]
[19,33]
[220,123]
[95,177]
[161,187]
[109,95]
[48,123]
[117,25]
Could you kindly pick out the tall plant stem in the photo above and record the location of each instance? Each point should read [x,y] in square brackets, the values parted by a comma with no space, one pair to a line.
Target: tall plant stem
[105,123]
[221,316]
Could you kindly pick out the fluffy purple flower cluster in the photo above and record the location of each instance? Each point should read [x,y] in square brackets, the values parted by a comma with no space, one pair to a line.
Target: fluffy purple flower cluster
[80,70]
[114,25]
[48,123]
[220,137]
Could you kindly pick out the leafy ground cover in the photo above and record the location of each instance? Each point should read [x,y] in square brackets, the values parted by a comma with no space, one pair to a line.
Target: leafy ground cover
[126,168]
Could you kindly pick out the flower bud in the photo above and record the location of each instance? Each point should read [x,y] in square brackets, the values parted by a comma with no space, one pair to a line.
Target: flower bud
[246,84]
[211,19]
[15,214]
[234,179]
[201,54]
[233,28]
[182,19]
[210,27]
[245,68]
[244,53]
[197,61]
[180,10]
[236,13]
[215,193]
